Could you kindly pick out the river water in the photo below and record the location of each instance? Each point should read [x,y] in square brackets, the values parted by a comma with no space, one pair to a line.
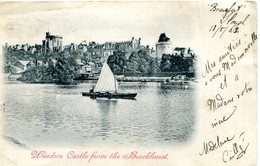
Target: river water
[57,115]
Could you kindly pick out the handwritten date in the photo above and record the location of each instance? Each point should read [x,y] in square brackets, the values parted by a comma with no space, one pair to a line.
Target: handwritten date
[229,21]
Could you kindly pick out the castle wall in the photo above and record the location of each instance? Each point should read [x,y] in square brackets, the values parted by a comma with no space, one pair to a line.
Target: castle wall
[163,48]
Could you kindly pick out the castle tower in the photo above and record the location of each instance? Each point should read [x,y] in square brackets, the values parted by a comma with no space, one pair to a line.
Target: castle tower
[52,43]
[163,46]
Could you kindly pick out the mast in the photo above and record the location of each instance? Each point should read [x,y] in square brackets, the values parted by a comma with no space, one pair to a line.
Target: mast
[115,83]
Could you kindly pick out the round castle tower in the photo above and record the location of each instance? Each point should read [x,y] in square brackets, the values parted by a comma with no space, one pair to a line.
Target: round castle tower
[163,46]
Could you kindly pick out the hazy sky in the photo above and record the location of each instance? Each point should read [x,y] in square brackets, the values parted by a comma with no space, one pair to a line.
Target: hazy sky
[186,23]
[111,21]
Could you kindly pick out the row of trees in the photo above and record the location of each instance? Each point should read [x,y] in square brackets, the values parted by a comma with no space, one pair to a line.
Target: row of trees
[12,55]
[171,63]
[141,62]
[138,62]
[66,68]
[62,72]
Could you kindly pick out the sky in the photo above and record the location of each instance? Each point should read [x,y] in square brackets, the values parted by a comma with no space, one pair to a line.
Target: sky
[99,21]
[185,23]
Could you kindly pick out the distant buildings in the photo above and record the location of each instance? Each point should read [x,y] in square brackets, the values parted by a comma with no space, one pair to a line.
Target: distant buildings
[23,47]
[184,52]
[92,51]
[87,58]
[85,53]
[163,46]
[106,49]
[51,44]
[19,67]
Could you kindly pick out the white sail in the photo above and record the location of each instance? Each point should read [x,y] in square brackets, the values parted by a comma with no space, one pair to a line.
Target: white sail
[106,81]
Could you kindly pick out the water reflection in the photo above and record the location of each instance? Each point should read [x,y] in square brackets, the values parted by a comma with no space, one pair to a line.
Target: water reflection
[66,86]
[105,106]
[40,113]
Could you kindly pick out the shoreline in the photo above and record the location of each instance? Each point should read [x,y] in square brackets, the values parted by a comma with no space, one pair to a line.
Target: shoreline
[118,78]
[126,80]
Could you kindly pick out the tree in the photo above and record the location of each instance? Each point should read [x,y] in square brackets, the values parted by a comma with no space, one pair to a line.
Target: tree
[153,66]
[166,64]
[117,61]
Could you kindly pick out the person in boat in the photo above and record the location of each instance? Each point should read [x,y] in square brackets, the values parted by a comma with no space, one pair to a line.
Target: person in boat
[91,90]
[109,95]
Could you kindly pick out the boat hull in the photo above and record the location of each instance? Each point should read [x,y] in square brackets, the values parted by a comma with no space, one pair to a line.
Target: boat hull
[110,95]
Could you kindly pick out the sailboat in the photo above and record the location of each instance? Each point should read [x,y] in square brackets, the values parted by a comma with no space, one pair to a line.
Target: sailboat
[107,86]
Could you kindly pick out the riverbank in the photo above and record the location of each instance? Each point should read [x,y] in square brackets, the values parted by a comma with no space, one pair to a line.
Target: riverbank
[119,79]
[143,79]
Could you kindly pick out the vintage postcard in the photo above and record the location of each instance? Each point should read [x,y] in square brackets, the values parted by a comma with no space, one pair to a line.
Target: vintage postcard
[128,83]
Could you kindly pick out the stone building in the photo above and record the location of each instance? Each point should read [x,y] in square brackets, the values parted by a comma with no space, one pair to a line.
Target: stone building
[21,66]
[106,49]
[163,46]
[51,44]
